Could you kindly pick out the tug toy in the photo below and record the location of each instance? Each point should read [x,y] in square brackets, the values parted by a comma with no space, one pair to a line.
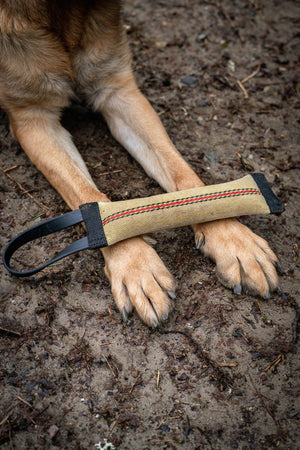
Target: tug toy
[109,222]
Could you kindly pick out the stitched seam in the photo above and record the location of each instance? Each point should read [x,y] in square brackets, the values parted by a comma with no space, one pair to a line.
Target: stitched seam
[175,204]
[196,197]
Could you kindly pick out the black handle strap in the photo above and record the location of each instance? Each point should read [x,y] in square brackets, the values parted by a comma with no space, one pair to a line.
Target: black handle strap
[276,206]
[48,227]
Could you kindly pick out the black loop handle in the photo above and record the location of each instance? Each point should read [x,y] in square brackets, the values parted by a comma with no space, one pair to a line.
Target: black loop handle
[48,227]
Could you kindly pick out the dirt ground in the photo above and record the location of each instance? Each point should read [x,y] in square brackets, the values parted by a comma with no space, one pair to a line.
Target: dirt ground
[222,373]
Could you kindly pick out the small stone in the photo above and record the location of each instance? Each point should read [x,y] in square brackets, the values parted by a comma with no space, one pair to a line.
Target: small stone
[161,44]
[164,428]
[231,65]
[53,430]
[201,37]
[189,81]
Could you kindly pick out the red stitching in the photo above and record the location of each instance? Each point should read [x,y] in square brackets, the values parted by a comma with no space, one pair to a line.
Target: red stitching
[179,203]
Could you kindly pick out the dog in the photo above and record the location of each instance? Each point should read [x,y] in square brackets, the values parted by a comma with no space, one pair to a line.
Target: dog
[52,49]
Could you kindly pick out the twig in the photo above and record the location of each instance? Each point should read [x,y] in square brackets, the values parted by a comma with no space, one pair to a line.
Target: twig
[234,364]
[39,413]
[220,376]
[10,411]
[165,417]
[107,173]
[7,295]
[227,17]
[249,321]
[10,438]
[24,401]
[157,379]
[107,343]
[198,347]
[295,326]
[240,85]
[111,369]
[272,366]
[81,306]
[11,168]
[113,425]
[266,406]
[41,205]
[6,330]
[251,75]
[5,419]
[134,385]
[257,303]
[4,298]
[211,96]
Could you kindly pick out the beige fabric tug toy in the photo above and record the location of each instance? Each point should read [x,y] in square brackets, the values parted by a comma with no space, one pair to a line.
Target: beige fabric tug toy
[111,222]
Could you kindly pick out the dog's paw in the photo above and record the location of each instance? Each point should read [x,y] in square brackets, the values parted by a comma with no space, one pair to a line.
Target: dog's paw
[140,280]
[244,260]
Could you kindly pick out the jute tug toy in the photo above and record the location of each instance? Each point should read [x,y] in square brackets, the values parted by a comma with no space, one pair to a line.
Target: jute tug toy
[111,222]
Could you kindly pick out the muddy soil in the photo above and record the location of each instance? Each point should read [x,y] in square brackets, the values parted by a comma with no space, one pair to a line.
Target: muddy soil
[224,78]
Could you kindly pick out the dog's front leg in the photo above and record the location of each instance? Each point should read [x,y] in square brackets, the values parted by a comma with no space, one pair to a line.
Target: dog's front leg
[243,259]
[50,147]
[138,276]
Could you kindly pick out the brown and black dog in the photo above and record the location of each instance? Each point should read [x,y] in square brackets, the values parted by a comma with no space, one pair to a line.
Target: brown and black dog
[51,49]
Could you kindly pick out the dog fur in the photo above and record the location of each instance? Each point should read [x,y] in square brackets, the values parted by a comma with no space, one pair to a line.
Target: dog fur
[49,51]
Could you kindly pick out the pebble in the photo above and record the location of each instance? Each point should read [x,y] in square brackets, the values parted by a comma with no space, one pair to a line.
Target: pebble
[201,37]
[164,428]
[53,430]
[189,81]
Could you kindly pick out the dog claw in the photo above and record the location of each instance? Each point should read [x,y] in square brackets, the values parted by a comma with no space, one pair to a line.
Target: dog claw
[154,323]
[124,315]
[278,268]
[172,295]
[164,317]
[237,289]
[200,242]
[267,296]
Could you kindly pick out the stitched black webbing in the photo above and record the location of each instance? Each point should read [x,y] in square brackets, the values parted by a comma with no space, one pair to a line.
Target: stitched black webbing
[44,229]
[94,228]
[276,206]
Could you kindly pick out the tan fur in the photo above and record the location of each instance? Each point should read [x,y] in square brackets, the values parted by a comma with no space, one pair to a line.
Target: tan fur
[48,51]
